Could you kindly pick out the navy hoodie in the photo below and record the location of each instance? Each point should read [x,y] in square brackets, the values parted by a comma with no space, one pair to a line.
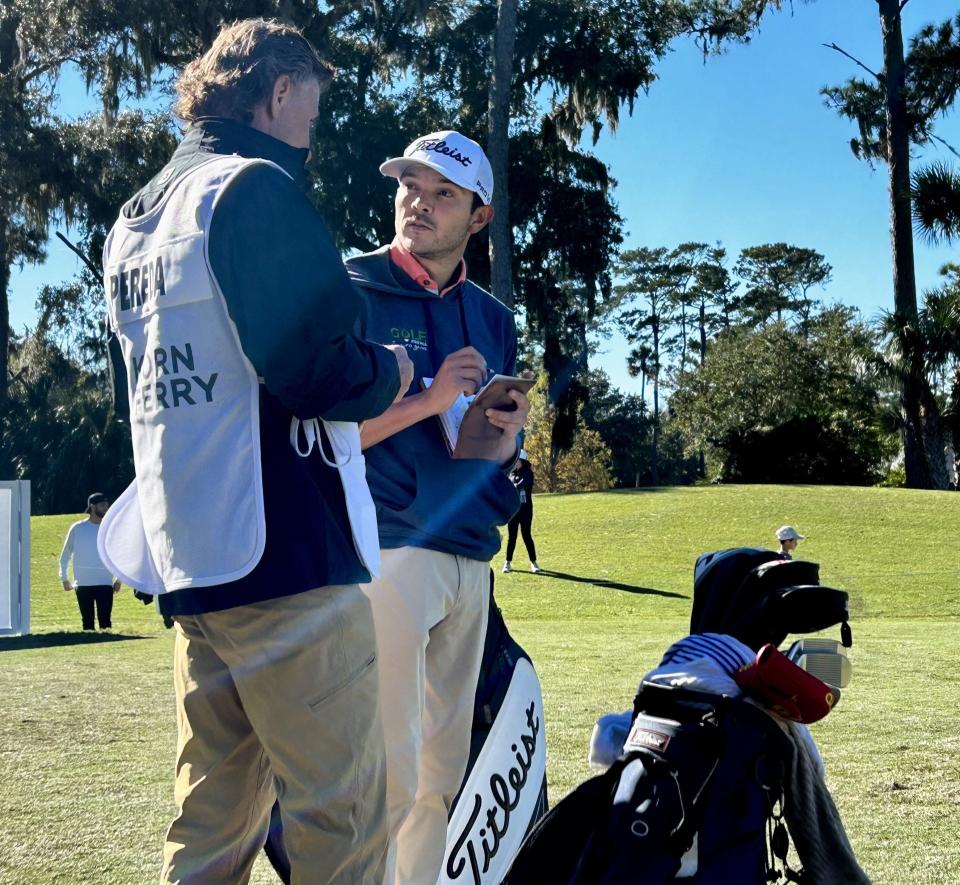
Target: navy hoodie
[424,497]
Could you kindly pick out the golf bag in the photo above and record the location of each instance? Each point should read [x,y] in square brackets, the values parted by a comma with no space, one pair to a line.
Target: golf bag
[504,791]
[708,782]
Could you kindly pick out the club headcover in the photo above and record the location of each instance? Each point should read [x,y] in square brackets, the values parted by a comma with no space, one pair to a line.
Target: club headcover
[785,688]
[716,579]
[775,615]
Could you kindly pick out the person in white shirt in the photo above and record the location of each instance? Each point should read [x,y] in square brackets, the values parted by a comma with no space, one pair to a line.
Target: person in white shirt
[92,581]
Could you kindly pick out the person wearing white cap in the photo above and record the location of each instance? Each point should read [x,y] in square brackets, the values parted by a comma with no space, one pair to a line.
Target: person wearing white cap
[522,477]
[438,516]
[788,537]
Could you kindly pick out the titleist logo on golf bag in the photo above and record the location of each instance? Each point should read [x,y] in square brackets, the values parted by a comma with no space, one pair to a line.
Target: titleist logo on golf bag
[441,147]
[645,737]
[505,791]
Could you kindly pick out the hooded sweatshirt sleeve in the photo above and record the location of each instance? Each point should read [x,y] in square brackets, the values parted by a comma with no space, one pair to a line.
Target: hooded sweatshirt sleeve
[294,308]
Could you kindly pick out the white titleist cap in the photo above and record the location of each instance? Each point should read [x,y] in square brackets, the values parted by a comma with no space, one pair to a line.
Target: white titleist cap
[788,533]
[452,155]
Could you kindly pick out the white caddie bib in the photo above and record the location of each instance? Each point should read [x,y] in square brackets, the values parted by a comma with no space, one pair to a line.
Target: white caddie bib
[344,437]
[194,515]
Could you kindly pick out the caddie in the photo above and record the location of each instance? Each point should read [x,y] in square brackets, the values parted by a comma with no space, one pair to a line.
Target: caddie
[250,514]
[438,516]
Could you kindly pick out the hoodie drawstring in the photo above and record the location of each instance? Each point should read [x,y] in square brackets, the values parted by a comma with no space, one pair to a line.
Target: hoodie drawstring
[312,435]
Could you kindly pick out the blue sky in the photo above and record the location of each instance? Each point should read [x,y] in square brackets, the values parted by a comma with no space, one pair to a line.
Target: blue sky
[742,149]
[739,149]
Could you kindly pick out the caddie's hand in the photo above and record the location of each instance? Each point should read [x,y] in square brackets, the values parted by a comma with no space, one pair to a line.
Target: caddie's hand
[405,365]
[116,586]
[511,423]
[68,586]
[463,371]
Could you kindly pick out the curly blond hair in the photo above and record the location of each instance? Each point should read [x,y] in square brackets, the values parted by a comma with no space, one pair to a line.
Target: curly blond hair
[238,72]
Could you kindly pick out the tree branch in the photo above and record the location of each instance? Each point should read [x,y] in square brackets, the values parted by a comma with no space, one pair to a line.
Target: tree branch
[946,144]
[873,74]
[76,251]
[42,68]
[903,3]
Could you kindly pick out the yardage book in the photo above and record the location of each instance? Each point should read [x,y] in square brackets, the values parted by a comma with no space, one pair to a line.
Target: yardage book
[466,430]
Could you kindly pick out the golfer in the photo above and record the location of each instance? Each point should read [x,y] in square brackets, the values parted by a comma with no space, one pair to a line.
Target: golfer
[438,516]
[245,384]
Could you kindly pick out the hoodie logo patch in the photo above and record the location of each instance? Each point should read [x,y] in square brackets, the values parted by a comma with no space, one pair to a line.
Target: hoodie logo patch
[411,339]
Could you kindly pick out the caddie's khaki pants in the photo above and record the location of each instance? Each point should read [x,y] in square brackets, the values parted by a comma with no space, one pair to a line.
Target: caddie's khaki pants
[279,698]
[430,611]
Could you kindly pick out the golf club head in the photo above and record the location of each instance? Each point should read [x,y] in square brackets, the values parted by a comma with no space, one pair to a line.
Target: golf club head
[810,645]
[834,669]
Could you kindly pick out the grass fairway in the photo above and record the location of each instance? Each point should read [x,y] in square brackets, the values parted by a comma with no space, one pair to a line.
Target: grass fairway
[87,731]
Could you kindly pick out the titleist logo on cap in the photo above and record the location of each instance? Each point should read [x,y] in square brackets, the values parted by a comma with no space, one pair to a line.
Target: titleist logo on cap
[441,147]
[456,157]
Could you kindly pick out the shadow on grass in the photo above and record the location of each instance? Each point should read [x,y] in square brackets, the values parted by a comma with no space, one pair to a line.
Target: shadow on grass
[63,638]
[611,585]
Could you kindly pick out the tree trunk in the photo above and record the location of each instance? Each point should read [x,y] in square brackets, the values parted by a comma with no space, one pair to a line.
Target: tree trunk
[5,261]
[934,440]
[683,336]
[654,467]
[501,253]
[916,464]
[703,332]
[10,57]
[701,457]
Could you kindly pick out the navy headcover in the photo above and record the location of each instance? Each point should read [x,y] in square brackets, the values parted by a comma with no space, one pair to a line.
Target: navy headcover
[757,597]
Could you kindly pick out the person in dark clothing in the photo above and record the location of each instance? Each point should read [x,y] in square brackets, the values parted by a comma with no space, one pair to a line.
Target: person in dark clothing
[245,383]
[522,476]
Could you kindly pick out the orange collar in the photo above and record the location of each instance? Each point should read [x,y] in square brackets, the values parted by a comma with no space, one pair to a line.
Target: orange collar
[407,262]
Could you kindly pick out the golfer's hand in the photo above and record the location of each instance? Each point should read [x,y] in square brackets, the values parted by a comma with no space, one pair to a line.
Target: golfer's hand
[463,371]
[405,365]
[511,423]
[116,586]
[68,586]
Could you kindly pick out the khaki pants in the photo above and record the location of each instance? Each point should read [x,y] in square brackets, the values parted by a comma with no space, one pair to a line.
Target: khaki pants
[279,698]
[430,611]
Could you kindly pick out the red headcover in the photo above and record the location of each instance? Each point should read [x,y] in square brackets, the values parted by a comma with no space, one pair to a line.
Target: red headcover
[785,688]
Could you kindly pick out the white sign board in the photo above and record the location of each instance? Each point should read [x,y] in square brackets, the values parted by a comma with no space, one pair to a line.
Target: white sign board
[14,558]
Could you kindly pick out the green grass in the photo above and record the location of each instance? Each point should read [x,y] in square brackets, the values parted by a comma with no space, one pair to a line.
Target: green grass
[87,727]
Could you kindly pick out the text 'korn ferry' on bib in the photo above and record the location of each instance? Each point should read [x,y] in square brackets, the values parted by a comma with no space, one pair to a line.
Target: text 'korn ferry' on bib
[163,377]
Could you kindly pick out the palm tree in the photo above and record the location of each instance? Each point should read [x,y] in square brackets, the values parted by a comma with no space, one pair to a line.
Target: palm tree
[895,109]
[932,344]
[939,328]
[936,202]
